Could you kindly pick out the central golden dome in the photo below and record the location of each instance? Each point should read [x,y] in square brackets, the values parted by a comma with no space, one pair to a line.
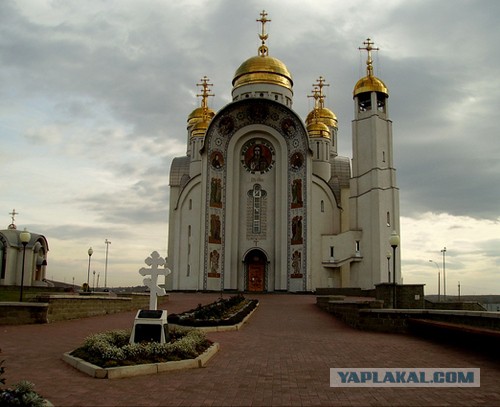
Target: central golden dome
[263,69]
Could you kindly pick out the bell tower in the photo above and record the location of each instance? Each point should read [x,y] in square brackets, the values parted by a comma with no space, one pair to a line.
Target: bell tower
[374,195]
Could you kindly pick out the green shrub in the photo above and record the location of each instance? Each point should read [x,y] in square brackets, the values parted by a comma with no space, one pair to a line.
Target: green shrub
[112,348]
[22,395]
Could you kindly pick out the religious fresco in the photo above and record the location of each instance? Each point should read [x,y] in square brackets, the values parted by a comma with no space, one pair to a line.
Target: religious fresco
[296,264]
[297,201]
[217,160]
[297,230]
[215,227]
[296,161]
[214,264]
[257,156]
[216,192]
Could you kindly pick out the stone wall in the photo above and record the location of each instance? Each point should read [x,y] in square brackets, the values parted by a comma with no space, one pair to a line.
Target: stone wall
[462,305]
[63,307]
[407,295]
[17,313]
[371,316]
[59,307]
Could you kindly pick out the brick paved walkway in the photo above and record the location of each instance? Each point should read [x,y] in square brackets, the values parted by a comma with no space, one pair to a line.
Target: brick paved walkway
[281,357]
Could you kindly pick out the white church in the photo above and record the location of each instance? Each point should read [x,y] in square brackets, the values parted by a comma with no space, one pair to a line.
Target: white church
[262,201]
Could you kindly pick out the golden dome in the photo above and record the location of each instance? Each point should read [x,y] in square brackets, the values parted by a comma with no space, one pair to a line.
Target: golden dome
[370,83]
[263,69]
[200,128]
[317,129]
[197,116]
[324,115]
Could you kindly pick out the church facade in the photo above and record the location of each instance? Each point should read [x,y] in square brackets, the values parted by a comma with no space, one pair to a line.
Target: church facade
[262,201]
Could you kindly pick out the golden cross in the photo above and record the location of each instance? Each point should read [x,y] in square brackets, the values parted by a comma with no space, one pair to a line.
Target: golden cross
[205,93]
[263,50]
[13,215]
[319,86]
[369,62]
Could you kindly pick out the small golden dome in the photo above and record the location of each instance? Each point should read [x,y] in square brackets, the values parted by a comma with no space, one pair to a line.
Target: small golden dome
[263,69]
[317,129]
[197,115]
[323,115]
[200,128]
[370,83]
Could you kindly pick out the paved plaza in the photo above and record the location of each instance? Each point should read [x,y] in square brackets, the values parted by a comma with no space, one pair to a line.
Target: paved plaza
[281,357]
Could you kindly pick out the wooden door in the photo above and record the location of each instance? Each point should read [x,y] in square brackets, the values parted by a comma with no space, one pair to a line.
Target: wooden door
[256,277]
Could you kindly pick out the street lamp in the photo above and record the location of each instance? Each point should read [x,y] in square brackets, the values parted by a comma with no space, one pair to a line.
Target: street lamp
[24,237]
[444,272]
[93,282]
[439,279]
[90,251]
[394,242]
[107,243]
[388,266]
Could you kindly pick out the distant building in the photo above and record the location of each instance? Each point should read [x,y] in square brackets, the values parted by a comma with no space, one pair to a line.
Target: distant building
[11,258]
[263,202]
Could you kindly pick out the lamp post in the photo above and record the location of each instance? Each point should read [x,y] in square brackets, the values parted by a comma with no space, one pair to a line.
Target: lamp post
[439,279]
[25,237]
[444,272]
[93,282]
[388,266]
[90,251]
[107,243]
[394,242]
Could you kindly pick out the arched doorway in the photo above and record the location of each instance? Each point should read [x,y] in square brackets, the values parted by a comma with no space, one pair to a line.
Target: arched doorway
[255,267]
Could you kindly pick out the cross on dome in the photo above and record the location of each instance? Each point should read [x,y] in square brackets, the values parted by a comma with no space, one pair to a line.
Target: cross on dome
[369,61]
[205,91]
[13,217]
[317,94]
[263,50]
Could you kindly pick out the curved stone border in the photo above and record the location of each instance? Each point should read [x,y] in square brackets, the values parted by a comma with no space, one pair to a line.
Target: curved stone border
[218,328]
[139,370]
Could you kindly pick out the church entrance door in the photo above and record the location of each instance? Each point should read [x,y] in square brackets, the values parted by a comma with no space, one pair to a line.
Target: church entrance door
[256,270]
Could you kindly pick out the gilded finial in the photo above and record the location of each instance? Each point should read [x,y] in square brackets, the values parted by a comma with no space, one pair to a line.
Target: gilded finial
[13,217]
[317,94]
[205,94]
[369,61]
[263,50]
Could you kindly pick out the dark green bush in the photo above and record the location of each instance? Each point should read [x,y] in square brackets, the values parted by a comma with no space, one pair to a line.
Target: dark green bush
[223,312]
[23,394]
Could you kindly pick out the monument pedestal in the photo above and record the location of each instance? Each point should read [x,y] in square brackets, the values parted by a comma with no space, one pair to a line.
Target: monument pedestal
[150,326]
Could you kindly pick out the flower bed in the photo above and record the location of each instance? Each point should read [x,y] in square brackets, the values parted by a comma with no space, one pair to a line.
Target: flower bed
[224,312]
[111,349]
[22,394]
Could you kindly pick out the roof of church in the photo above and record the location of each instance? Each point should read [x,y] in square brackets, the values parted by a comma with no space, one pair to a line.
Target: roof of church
[369,83]
[179,170]
[341,174]
[11,236]
[262,68]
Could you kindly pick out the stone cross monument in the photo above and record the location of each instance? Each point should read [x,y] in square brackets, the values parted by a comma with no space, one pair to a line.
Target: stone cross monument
[154,260]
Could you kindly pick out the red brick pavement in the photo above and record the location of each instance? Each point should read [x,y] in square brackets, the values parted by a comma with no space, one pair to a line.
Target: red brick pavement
[281,357]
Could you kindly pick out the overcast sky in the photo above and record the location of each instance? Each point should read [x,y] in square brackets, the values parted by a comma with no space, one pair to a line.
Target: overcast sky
[94,97]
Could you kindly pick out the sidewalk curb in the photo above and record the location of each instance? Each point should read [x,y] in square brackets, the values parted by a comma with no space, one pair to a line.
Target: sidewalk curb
[139,370]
